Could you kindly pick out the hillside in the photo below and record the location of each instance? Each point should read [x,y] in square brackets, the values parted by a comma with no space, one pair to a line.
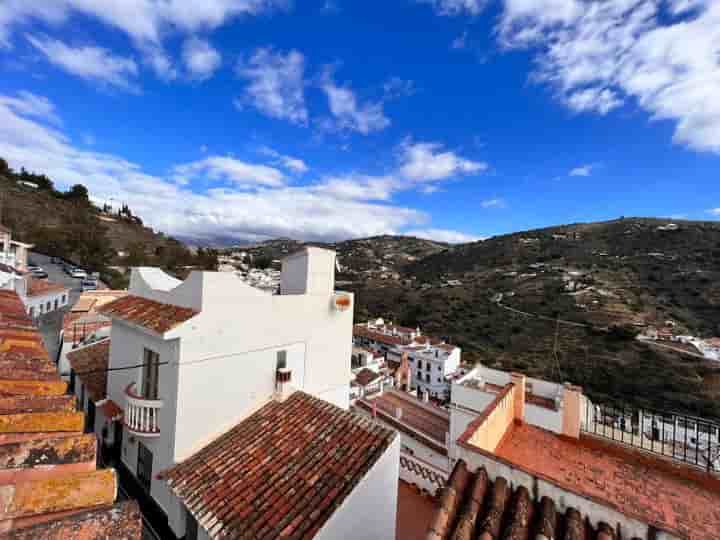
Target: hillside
[67,224]
[615,277]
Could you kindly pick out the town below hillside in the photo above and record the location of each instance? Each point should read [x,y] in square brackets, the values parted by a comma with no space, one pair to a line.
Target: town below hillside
[626,308]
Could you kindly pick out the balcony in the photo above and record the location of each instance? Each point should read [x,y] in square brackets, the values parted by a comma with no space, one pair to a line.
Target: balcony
[141,414]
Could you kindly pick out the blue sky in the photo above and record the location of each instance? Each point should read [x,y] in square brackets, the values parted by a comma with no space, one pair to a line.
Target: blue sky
[451,119]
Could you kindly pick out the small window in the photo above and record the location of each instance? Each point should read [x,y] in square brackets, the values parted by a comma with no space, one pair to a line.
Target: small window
[55,304]
[427,378]
[281,359]
[71,386]
[47,307]
[64,298]
[419,364]
[32,311]
[151,374]
[427,366]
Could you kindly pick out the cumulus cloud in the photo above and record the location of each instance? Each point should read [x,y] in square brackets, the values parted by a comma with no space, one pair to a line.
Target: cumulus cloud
[426,161]
[201,59]
[582,170]
[347,110]
[496,202]
[276,84]
[596,54]
[714,211]
[290,163]
[443,235]
[217,213]
[359,187]
[456,7]
[243,174]
[89,62]
[146,22]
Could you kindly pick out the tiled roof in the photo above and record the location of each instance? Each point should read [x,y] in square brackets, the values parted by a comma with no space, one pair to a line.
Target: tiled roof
[281,472]
[472,506]
[49,484]
[417,415]
[90,363]
[365,376]
[40,287]
[147,313]
[667,495]
[363,331]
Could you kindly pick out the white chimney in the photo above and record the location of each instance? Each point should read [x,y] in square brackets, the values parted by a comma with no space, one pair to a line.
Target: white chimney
[308,271]
[283,384]
[426,396]
[398,413]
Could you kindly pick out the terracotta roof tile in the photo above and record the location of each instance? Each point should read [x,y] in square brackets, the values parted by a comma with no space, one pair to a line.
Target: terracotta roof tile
[280,472]
[90,364]
[147,313]
[365,376]
[472,506]
[39,287]
[49,486]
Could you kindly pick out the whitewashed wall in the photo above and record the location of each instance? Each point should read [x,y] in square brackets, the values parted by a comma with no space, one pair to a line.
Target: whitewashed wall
[370,509]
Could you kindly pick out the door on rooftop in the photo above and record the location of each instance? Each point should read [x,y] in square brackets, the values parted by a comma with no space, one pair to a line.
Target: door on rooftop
[144,466]
[151,371]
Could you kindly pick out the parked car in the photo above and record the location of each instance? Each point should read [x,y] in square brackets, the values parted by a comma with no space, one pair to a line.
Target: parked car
[89,285]
[34,269]
[79,273]
[39,273]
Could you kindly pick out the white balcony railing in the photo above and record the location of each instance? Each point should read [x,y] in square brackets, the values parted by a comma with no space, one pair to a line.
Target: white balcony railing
[8,258]
[141,414]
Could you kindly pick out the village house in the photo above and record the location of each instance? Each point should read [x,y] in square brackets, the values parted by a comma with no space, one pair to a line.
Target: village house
[39,296]
[537,461]
[227,393]
[433,362]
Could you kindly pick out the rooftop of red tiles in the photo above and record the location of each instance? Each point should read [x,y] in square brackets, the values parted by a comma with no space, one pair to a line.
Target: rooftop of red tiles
[281,472]
[472,505]
[365,376]
[57,491]
[90,364]
[666,495]
[39,287]
[415,414]
[150,314]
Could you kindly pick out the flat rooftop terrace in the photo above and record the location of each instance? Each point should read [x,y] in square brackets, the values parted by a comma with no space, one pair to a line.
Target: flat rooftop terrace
[659,492]
[415,414]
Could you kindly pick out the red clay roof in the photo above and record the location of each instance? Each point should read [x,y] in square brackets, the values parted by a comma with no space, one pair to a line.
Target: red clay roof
[281,472]
[363,331]
[90,364]
[365,376]
[51,487]
[667,495]
[147,313]
[40,287]
[472,506]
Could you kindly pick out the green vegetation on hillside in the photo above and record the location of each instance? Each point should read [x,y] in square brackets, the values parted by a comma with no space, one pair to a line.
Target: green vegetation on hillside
[68,225]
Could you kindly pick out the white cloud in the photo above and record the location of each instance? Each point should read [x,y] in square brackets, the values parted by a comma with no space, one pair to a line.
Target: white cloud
[456,7]
[359,187]
[290,163]
[443,235]
[29,104]
[597,54]
[395,88]
[348,113]
[201,59]
[425,161]
[217,214]
[582,170]
[146,22]
[714,211]
[276,84]
[496,202]
[243,174]
[89,62]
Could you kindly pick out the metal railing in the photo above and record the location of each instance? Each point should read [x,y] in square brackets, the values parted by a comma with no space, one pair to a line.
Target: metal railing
[689,439]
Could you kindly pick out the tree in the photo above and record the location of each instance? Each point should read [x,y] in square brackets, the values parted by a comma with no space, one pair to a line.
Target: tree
[77,193]
[4,167]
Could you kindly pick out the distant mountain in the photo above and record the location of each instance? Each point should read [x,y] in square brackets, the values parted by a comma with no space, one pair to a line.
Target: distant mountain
[615,277]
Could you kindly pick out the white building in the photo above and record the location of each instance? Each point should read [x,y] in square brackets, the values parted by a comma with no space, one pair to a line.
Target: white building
[204,372]
[14,253]
[433,362]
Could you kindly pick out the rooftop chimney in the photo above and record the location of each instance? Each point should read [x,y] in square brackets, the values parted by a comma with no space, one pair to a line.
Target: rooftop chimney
[309,271]
[283,384]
